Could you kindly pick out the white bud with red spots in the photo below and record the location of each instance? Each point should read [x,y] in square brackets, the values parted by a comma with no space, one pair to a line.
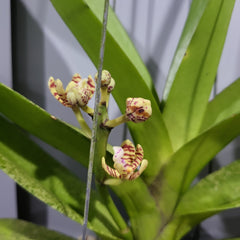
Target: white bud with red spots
[138,109]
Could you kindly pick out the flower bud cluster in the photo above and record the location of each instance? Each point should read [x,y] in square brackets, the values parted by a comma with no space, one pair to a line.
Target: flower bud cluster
[128,161]
[78,92]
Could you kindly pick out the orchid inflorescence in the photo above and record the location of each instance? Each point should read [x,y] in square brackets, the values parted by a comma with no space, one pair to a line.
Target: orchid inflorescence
[128,161]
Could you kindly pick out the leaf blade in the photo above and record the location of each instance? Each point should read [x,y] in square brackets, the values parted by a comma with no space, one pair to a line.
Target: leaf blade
[26,164]
[11,229]
[219,191]
[189,95]
[224,105]
[38,122]
[195,13]
[141,208]
[184,165]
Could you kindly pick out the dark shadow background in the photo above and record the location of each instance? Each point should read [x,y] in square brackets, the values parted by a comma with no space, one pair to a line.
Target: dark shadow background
[26,36]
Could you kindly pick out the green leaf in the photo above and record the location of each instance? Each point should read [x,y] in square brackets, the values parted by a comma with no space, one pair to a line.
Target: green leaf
[132,79]
[216,192]
[188,161]
[195,13]
[46,179]
[231,239]
[119,48]
[179,226]
[224,105]
[11,229]
[190,91]
[41,124]
[37,121]
[141,208]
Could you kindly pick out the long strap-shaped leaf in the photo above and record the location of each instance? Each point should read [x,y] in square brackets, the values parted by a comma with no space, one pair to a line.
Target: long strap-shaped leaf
[188,161]
[179,226]
[132,79]
[195,13]
[216,192]
[224,105]
[189,94]
[38,122]
[46,179]
[18,229]
[231,239]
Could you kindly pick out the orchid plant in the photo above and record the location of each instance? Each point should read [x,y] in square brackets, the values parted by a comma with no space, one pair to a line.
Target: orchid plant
[179,134]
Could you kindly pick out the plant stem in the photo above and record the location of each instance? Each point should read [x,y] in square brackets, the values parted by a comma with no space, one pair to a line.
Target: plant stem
[100,175]
[95,120]
[117,121]
[104,97]
[81,121]
[88,110]
[124,229]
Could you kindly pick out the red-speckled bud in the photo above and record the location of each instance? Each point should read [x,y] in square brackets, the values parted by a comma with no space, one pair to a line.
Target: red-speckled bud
[78,92]
[111,85]
[127,160]
[138,109]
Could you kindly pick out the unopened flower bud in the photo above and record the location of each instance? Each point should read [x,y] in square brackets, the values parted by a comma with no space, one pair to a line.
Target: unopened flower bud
[106,78]
[111,85]
[138,109]
[78,92]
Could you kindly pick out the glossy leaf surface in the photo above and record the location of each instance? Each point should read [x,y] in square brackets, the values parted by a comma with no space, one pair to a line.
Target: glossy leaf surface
[188,161]
[126,67]
[38,122]
[11,229]
[46,179]
[195,13]
[141,207]
[179,226]
[190,91]
[231,239]
[224,105]
[216,192]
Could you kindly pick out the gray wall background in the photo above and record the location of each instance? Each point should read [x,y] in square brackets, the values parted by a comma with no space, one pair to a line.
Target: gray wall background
[44,47]
[7,186]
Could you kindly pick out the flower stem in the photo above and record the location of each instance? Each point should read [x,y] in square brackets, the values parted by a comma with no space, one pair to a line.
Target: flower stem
[104,97]
[88,110]
[81,121]
[117,121]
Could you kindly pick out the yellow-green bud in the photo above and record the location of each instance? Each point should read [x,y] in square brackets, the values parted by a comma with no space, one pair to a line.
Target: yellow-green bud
[106,78]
